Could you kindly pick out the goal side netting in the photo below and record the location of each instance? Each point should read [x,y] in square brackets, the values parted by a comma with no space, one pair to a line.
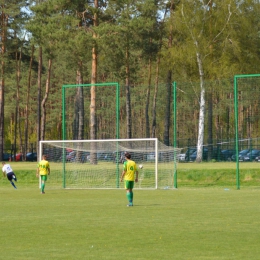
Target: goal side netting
[98,164]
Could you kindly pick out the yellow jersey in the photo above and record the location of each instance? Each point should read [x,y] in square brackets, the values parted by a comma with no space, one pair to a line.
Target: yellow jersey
[44,167]
[130,169]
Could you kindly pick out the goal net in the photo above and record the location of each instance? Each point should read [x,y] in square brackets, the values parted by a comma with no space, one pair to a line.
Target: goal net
[96,164]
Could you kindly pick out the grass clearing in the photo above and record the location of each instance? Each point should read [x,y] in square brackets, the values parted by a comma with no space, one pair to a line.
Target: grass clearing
[188,223]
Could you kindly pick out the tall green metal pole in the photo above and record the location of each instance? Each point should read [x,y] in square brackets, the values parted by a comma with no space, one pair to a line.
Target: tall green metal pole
[117,134]
[63,137]
[236,121]
[236,127]
[117,110]
[175,134]
[63,113]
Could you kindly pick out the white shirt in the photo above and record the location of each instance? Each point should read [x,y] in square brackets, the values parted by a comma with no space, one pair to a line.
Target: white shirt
[7,168]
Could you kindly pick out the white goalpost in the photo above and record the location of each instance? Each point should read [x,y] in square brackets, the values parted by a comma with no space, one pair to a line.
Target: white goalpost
[98,164]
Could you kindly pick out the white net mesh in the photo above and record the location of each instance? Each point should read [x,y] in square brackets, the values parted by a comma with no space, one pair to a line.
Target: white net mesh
[87,164]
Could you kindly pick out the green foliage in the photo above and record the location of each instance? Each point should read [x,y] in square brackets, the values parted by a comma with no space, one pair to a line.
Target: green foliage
[227,36]
[221,42]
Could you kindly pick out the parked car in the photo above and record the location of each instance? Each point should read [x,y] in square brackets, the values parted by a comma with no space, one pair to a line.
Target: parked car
[257,159]
[105,156]
[84,156]
[17,157]
[31,157]
[102,156]
[181,157]
[6,156]
[119,157]
[225,155]
[241,155]
[150,157]
[249,157]
[189,152]
[204,156]
[71,156]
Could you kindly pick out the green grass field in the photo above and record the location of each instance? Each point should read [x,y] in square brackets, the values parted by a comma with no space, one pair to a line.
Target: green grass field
[191,222]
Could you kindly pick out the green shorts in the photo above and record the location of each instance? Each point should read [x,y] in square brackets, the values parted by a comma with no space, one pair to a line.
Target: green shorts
[129,185]
[44,177]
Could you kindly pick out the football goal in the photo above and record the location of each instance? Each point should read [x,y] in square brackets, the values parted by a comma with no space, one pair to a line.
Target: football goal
[98,164]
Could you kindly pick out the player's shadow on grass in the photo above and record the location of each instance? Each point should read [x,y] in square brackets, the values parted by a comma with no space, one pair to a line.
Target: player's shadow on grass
[146,205]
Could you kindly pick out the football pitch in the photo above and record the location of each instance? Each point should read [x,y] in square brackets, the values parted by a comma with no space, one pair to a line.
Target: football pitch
[186,223]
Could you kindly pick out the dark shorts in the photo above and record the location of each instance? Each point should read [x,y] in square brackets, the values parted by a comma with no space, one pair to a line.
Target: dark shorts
[129,185]
[11,176]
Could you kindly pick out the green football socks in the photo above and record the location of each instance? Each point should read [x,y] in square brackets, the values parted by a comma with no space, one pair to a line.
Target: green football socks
[43,186]
[130,196]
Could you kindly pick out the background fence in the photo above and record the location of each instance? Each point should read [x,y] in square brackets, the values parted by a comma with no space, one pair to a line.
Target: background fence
[149,112]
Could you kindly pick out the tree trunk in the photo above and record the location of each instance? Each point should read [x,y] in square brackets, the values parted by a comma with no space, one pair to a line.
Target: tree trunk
[93,119]
[201,111]
[79,107]
[47,90]
[26,126]
[81,114]
[19,112]
[210,125]
[166,136]
[155,97]
[39,100]
[128,98]
[210,95]
[75,127]
[93,134]
[4,20]
[157,75]
[16,117]
[78,132]
[147,103]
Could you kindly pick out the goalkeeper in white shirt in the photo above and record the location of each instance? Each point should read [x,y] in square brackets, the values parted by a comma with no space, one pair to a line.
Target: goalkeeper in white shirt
[8,172]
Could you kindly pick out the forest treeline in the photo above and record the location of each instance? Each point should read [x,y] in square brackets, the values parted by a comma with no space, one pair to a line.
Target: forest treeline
[144,46]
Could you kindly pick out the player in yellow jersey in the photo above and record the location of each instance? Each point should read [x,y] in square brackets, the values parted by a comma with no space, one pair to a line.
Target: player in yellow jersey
[42,171]
[130,175]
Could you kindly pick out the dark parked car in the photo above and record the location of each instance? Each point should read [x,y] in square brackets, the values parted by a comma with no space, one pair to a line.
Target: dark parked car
[105,156]
[6,156]
[204,157]
[71,156]
[241,155]
[257,159]
[249,157]
[31,157]
[78,156]
[189,152]
[225,155]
